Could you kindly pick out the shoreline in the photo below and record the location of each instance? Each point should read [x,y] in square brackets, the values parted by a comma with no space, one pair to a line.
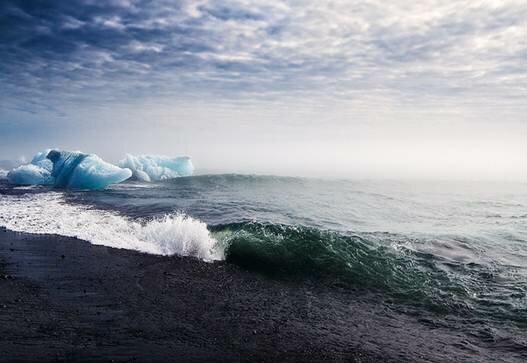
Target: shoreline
[65,299]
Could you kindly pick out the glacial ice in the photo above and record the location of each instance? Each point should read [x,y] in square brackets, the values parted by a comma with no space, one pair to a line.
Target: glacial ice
[30,174]
[157,167]
[40,159]
[68,169]
[77,170]
[38,172]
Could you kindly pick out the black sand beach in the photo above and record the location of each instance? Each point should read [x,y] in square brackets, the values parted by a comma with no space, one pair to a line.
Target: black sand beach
[65,299]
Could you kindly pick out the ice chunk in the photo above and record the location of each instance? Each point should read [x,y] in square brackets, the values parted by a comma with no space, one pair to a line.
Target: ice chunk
[40,159]
[157,167]
[38,172]
[68,170]
[30,174]
[84,171]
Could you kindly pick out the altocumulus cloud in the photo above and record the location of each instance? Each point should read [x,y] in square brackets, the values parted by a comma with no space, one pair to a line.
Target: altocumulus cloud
[85,50]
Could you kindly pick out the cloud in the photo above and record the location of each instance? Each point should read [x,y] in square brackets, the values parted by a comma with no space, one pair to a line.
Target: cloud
[346,50]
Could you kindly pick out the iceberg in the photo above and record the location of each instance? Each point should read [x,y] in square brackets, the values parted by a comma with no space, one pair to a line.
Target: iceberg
[84,171]
[68,169]
[30,175]
[157,167]
[40,159]
[37,172]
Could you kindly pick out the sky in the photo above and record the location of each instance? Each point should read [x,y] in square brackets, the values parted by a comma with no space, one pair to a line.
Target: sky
[364,89]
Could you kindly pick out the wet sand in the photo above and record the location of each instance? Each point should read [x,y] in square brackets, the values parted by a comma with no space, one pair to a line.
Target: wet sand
[65,299]
[62,298]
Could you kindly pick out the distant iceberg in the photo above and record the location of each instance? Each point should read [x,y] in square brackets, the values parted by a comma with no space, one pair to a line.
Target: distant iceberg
[68,169]
[77,170]
[157,167]
[30,174]
[38,172]
[84,171]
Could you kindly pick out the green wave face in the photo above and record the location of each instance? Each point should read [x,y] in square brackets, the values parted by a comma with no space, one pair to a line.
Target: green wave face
[415,278]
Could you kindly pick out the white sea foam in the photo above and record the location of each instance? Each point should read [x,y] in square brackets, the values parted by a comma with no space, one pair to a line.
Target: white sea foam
[49,214]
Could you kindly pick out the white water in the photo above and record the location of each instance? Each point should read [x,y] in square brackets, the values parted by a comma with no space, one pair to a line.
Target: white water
[49,214]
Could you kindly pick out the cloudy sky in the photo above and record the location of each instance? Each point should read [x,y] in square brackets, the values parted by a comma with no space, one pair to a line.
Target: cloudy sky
[346,88]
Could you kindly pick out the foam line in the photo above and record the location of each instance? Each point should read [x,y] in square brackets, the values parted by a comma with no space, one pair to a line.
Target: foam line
[49,214]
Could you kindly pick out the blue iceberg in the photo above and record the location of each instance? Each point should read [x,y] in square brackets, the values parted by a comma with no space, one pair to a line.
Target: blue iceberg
[38,172]
[30,175]
[41,160]
[68,169]
[157,167]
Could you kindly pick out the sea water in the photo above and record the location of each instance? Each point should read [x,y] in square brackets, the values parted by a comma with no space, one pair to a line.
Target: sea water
[451,253]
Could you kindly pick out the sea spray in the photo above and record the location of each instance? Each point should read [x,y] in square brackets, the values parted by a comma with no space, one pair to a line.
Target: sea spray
[47,213]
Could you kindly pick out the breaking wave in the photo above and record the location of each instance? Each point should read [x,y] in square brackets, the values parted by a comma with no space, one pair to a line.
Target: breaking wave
[371,262]
[49,214]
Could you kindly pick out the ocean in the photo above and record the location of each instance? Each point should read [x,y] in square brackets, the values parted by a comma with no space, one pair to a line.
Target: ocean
[451,255]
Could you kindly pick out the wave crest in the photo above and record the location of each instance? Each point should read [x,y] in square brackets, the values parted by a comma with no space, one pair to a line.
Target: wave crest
[345,259]
[181,235]
[49,214]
